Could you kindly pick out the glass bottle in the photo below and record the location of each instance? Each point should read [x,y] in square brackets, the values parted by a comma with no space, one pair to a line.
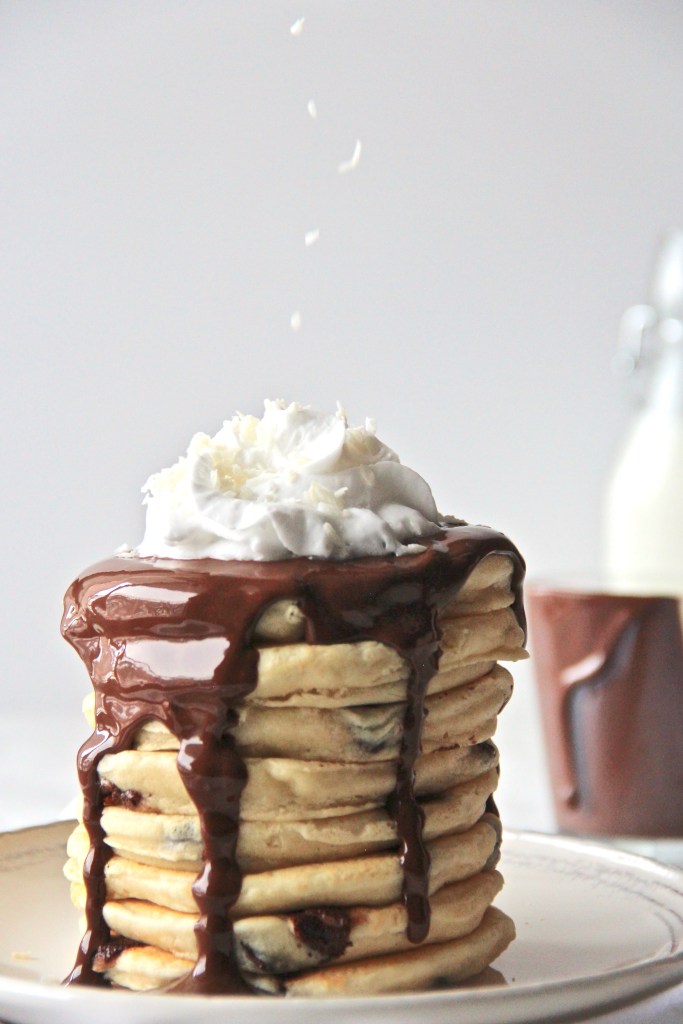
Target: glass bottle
[643,508]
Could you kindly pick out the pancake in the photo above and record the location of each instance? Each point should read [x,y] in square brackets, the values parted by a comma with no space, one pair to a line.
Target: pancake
[281,789]
[281,944]
[488,588]
[364,733]
[418,968]
[145,967]
[339,675]
[372,880]
[175,839]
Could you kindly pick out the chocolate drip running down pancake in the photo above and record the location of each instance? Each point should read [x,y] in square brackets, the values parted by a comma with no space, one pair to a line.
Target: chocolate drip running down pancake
[175,646]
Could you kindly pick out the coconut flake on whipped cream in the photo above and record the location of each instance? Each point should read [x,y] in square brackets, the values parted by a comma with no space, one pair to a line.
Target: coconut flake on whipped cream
[295,482]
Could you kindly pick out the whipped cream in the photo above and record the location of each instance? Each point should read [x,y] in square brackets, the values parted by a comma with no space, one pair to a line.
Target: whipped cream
[295,482]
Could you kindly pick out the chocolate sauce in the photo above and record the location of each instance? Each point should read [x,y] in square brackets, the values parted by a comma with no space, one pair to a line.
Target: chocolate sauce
[171,640]
[610,676]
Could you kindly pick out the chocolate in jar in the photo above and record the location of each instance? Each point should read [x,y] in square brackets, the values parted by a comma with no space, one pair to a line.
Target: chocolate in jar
[609,669]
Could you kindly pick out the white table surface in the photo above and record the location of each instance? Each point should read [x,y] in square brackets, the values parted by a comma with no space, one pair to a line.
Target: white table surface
[38,782]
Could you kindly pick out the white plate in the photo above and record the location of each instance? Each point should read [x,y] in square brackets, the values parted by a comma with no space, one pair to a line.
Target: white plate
[597,928]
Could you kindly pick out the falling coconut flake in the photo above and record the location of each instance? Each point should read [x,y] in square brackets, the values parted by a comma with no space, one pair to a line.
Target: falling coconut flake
[311,237]
[295,321]
[349,165]
[297,28]
[312,109]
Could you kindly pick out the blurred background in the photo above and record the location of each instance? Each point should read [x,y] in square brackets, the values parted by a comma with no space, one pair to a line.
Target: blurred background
[520,161]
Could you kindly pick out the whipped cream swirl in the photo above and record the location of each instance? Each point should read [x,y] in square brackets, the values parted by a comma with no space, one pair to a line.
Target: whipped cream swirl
[295,482]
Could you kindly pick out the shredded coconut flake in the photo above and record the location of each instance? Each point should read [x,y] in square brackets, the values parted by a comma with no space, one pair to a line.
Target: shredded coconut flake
[295,321]
[311,237]
[349,165]
[312,109]
[297,28]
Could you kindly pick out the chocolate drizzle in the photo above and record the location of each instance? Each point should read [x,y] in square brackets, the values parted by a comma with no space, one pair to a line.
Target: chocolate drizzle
[171,640]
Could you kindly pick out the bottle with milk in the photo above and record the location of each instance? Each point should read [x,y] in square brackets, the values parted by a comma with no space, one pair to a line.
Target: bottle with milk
[643,509]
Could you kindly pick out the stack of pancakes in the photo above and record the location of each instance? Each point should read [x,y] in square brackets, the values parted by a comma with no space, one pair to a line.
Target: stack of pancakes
[320,910]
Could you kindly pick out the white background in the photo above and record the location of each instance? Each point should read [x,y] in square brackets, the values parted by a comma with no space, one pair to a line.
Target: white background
[159,169]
